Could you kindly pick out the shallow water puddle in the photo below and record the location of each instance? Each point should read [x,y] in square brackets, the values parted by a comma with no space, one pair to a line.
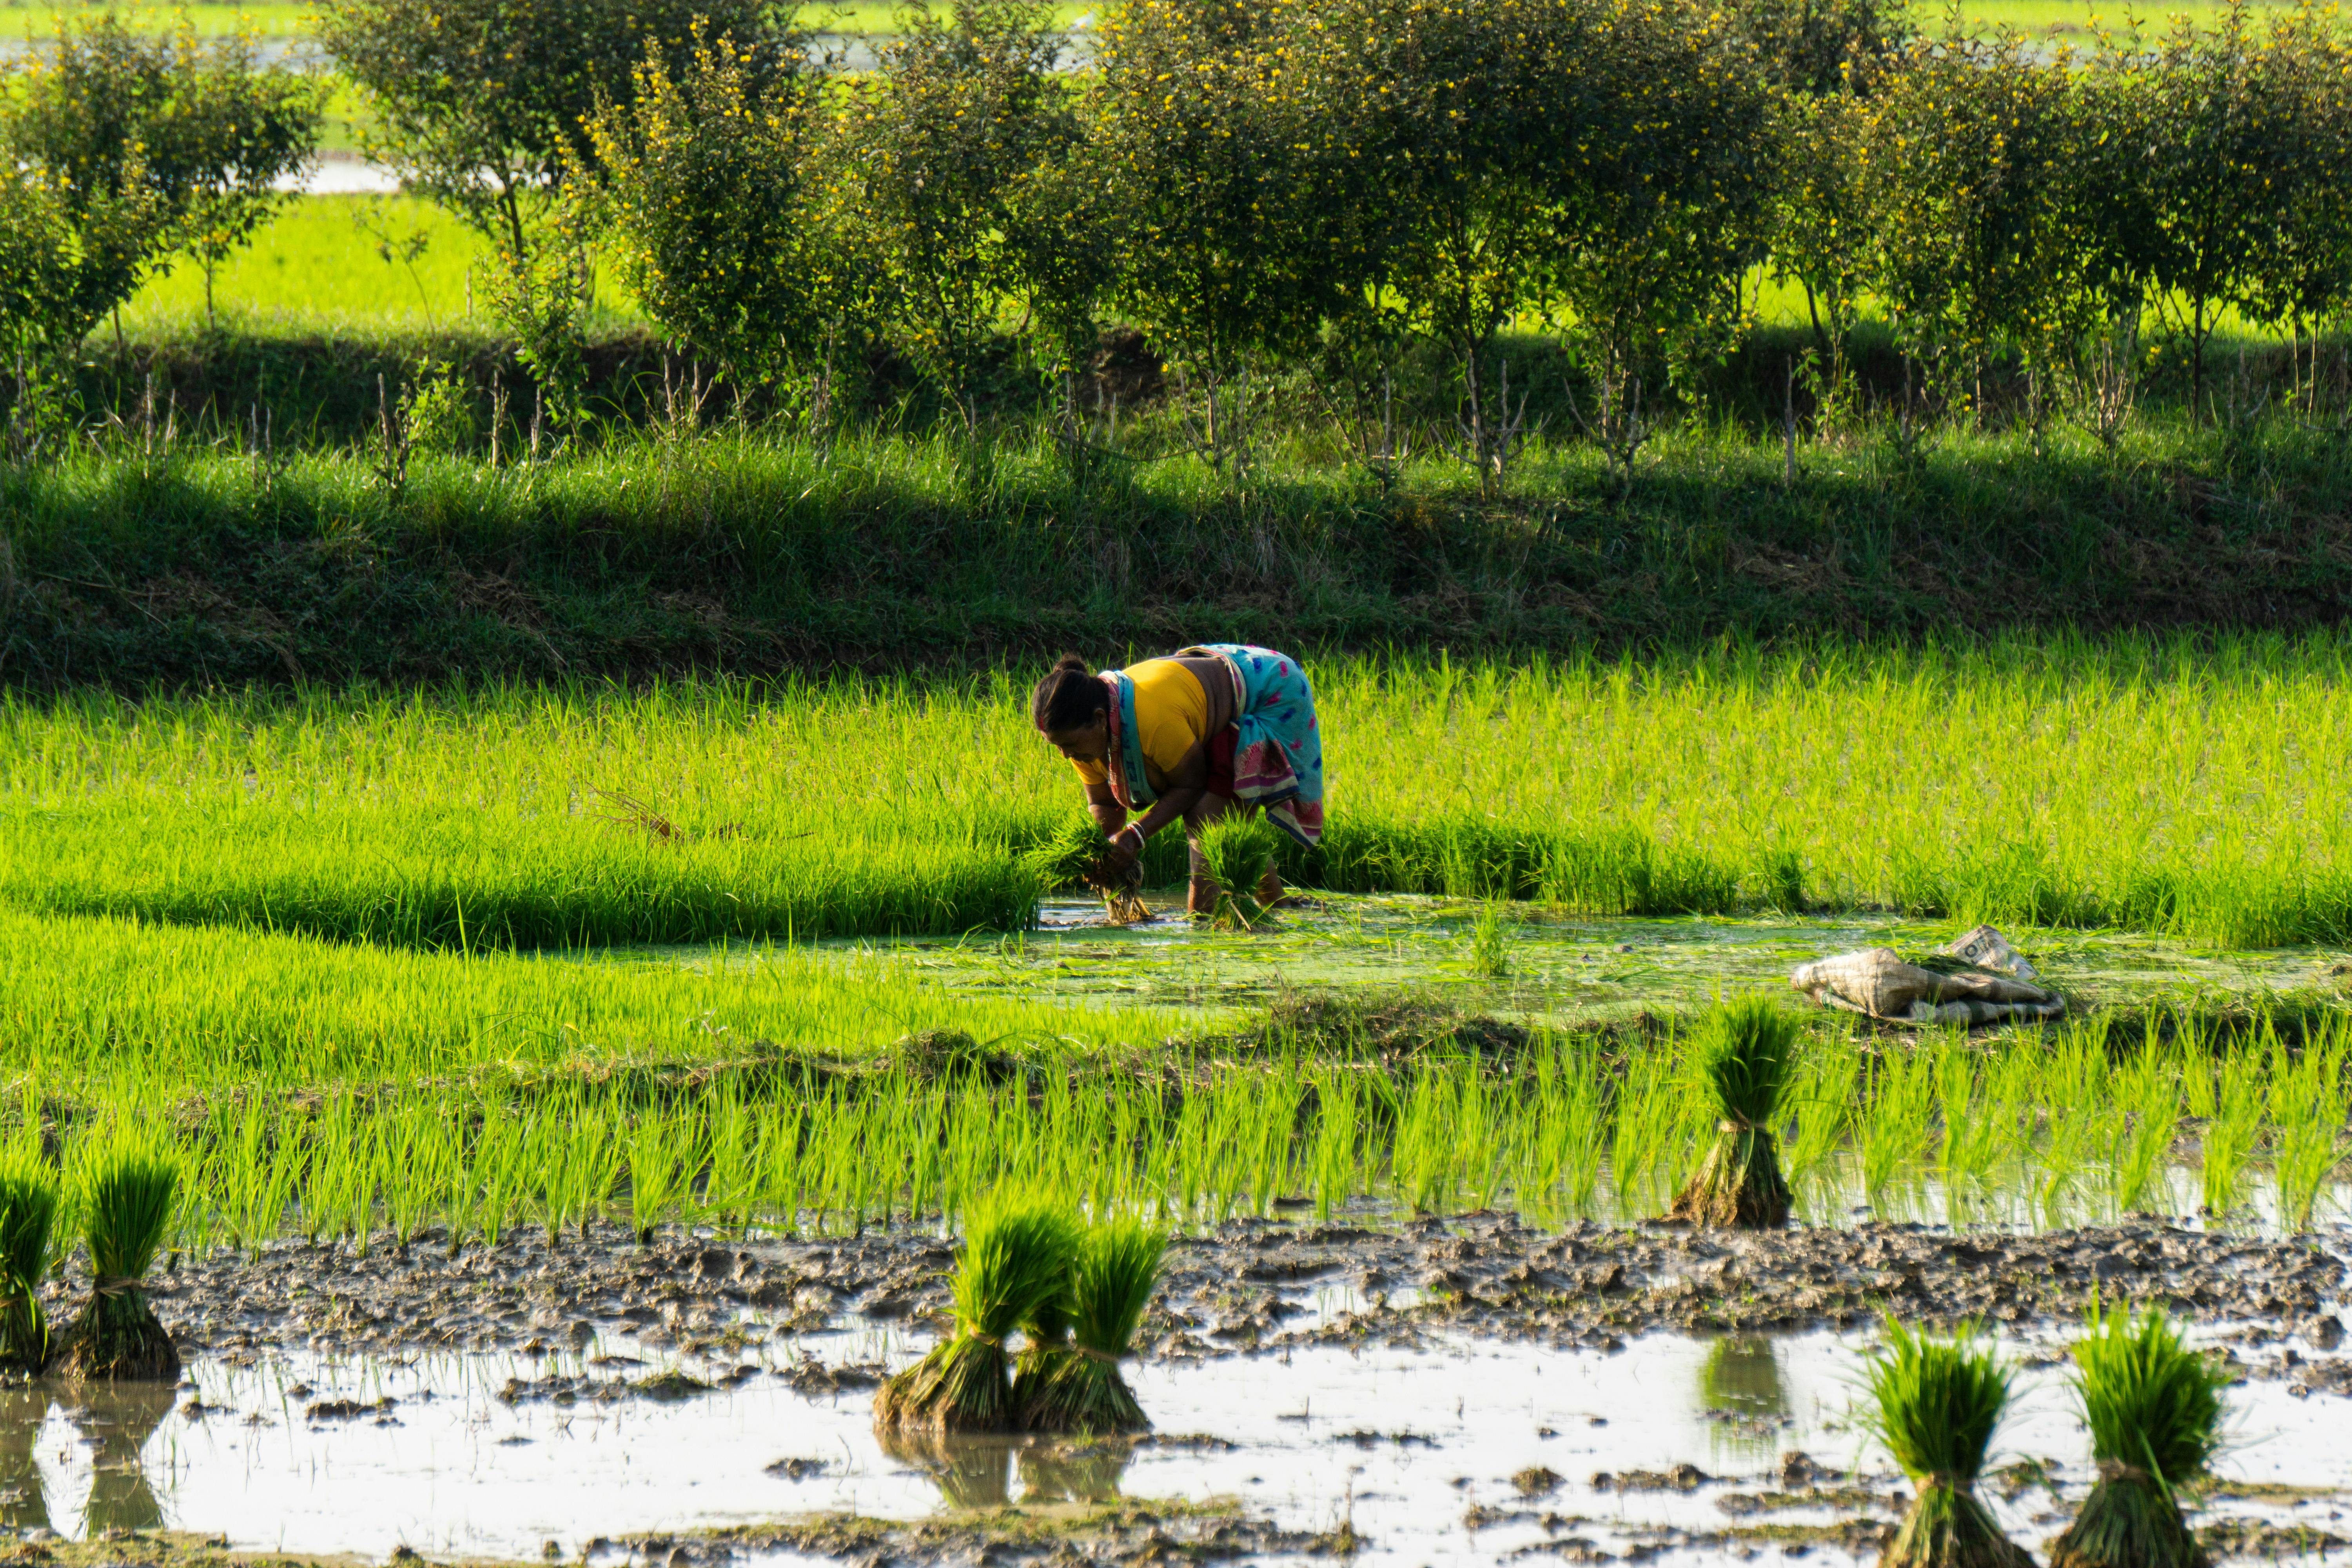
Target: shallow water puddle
[1419,1449]
[1559,969]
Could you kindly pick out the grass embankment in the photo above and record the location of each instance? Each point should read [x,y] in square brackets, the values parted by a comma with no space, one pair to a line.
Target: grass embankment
[757,554]
[2179,786]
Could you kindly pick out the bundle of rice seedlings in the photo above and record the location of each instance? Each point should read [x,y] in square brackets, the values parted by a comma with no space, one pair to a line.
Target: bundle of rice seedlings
[1237,851]
[28,1211]
[1076,1388]
[1936,1404]
[1016,1257]
[126,1188]
[1743,1056]
[1073,858]
[2153,1407]
[1045,1336]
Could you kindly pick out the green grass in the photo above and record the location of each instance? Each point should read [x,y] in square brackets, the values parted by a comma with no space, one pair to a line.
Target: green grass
[322,262]
[329,263]
[332,1089]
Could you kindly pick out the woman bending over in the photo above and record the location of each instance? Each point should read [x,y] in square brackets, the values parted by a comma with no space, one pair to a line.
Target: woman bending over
[1219,728]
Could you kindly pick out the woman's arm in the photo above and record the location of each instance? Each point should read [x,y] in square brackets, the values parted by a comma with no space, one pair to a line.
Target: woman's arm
[1103,807]
[1186,786]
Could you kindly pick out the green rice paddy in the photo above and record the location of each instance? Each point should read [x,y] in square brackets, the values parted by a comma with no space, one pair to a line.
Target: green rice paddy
[2179,788]
[385,962]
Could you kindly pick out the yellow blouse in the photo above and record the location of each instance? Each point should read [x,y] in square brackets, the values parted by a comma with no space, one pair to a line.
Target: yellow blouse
[1171,716]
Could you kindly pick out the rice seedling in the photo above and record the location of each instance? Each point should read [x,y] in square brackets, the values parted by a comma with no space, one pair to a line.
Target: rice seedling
[1740,1059]
[1072,856]
[1016,1260]
[29,1199]
[1075,1386]
[1971,1132]
[2232,1124]
[258,1164]
[125,1183]
[1566,1133]
[1816,1109]
[1895,1125]
[1646,1116]
[2147,1098]
[1238,849]
[1335,1155]
[2154,1408]
[2307,1110]
[1936,1404]
[1490,942]
[359,813]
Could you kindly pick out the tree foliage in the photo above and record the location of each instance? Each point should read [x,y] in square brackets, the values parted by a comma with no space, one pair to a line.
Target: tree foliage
[701,184]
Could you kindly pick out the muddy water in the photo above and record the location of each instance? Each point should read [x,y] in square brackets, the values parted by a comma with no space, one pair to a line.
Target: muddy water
[1558,969]
[1459,1451]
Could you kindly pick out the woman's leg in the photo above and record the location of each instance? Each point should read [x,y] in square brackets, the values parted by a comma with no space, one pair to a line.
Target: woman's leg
[1200,892]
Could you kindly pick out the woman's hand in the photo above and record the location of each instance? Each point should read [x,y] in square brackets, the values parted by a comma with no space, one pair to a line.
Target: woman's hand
[1126,849]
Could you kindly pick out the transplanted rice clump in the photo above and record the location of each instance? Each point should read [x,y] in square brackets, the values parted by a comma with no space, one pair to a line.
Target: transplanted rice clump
[1743,1056]
[29,1209]
[127,1187]
[1073,858]
[1238,852]
[1016,1260]
[1936,1405]
[2154,1408]
[1073,1384]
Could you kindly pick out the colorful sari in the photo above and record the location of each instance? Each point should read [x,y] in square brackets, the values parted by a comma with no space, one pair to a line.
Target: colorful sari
[1277,753]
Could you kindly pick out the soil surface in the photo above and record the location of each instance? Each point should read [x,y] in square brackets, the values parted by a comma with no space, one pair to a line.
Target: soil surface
[1256,1284]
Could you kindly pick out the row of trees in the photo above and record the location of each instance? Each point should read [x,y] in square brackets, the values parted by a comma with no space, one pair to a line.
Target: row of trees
[1261,182]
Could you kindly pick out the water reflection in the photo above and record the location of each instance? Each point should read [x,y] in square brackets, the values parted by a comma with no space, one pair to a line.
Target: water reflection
[23,1505]
[1085,1472]
[1741,1389]
[118,1419]
[971,1471]
[977,1472]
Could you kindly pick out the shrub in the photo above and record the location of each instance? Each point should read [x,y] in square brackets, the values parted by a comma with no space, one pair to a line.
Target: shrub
[1218,163]
[701,179]
[963,108]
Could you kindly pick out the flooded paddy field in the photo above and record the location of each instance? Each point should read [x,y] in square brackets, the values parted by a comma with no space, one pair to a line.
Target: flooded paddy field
[1395,1433]
[576,1110]
[1554,967]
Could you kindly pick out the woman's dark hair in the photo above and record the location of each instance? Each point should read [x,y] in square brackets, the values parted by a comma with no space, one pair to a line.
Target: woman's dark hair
[1068,697]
